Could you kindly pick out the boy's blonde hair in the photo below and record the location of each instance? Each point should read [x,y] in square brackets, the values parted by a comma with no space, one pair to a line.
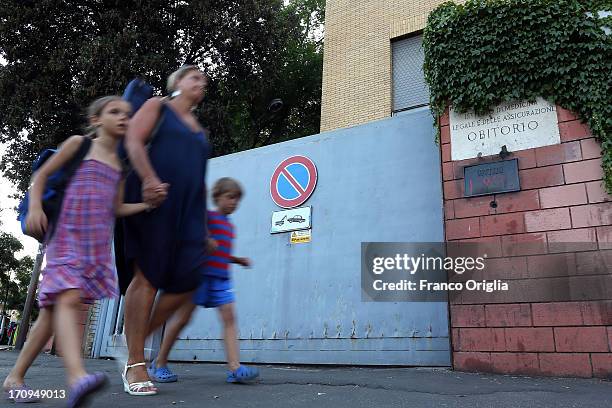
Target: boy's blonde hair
[226,185]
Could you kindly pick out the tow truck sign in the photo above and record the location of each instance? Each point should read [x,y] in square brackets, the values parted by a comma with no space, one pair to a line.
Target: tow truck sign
[291,220]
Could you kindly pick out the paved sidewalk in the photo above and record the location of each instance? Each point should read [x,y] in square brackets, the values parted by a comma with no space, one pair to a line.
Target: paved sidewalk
[202,385]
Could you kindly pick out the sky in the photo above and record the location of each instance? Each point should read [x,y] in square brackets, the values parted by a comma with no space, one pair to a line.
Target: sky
[8,216]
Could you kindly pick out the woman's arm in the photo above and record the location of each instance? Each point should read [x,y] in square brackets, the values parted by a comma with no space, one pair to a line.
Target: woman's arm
[139,131]
[36,221]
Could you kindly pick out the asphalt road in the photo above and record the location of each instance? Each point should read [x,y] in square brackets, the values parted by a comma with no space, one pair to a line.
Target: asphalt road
[203,385]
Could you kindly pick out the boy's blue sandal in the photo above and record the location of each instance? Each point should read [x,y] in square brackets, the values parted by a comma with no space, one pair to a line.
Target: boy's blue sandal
[242,374]
[161,374]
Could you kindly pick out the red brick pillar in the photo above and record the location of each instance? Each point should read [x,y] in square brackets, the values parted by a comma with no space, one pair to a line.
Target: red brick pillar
[556,319]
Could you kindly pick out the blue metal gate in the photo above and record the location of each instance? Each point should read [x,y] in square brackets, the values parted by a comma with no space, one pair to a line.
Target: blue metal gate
[301,303]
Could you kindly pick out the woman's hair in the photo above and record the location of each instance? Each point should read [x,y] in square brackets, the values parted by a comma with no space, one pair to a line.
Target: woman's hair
[96,108]
[180,74]
[226,185]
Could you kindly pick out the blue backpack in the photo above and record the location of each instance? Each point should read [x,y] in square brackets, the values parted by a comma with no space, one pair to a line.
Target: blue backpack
[55,187]
[137,92]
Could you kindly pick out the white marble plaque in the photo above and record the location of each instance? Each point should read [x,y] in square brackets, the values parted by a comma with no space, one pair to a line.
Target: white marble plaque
[518,125]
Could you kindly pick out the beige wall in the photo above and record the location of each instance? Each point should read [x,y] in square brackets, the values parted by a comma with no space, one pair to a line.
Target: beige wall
[357,58]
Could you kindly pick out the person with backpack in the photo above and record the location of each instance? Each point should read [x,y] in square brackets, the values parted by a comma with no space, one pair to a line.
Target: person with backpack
[165,249]
[78,247]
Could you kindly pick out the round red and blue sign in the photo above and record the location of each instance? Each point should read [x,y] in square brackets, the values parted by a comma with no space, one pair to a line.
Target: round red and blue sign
[293,181]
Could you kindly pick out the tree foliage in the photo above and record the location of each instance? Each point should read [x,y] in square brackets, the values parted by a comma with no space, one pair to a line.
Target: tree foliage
[60,55]
[19,284]
[14,273]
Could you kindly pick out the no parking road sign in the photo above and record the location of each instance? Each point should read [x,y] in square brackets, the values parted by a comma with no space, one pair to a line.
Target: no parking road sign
[293,181]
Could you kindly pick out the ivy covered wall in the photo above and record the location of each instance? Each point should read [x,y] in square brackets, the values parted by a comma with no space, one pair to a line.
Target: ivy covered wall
[485,52]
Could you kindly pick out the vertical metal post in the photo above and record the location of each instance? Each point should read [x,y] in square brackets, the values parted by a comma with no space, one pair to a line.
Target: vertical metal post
[29,304]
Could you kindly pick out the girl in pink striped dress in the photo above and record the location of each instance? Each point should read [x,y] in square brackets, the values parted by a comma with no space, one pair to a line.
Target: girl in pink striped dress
[79,265]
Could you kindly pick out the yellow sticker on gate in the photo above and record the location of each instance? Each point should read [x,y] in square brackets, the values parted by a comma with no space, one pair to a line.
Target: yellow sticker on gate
[300,237]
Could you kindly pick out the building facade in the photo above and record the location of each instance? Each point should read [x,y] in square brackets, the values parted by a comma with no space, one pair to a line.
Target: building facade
[381,178]
[558,320]
[360,37]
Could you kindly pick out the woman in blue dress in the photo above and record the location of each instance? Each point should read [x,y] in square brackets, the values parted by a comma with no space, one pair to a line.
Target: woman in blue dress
[165,248]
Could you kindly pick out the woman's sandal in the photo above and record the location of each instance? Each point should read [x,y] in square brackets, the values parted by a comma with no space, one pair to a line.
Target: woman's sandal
[136,387]
[85,387]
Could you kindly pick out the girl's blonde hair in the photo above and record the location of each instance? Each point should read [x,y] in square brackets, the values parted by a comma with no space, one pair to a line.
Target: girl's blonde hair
[180,74]
[225,185]
[96,108]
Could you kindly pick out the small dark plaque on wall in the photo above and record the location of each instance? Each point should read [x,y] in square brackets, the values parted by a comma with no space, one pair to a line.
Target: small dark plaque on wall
[491,178]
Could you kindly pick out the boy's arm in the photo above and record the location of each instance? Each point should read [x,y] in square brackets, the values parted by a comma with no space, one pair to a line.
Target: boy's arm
[246,262]
[211,245]
[126,209]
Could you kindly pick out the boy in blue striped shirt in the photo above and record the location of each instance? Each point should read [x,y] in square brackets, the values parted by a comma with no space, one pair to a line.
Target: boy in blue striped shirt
[215,290]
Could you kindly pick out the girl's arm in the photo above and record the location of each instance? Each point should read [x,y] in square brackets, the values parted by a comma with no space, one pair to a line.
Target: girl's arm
[126,209]
[36,221]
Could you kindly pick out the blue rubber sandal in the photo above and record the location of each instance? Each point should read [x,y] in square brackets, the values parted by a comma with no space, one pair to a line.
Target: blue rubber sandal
[85,387]
[161,374]
[242,375]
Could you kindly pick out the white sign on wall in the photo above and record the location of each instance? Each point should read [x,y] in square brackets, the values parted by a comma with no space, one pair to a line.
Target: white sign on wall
[518,125]
[291,220]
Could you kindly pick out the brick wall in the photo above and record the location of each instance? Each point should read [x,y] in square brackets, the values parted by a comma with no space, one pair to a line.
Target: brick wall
[556,319]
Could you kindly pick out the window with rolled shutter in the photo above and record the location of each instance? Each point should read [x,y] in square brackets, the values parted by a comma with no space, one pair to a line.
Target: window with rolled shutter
[409,87]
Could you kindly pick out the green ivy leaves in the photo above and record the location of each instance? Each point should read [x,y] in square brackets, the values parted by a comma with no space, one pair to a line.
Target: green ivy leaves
[484,52]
